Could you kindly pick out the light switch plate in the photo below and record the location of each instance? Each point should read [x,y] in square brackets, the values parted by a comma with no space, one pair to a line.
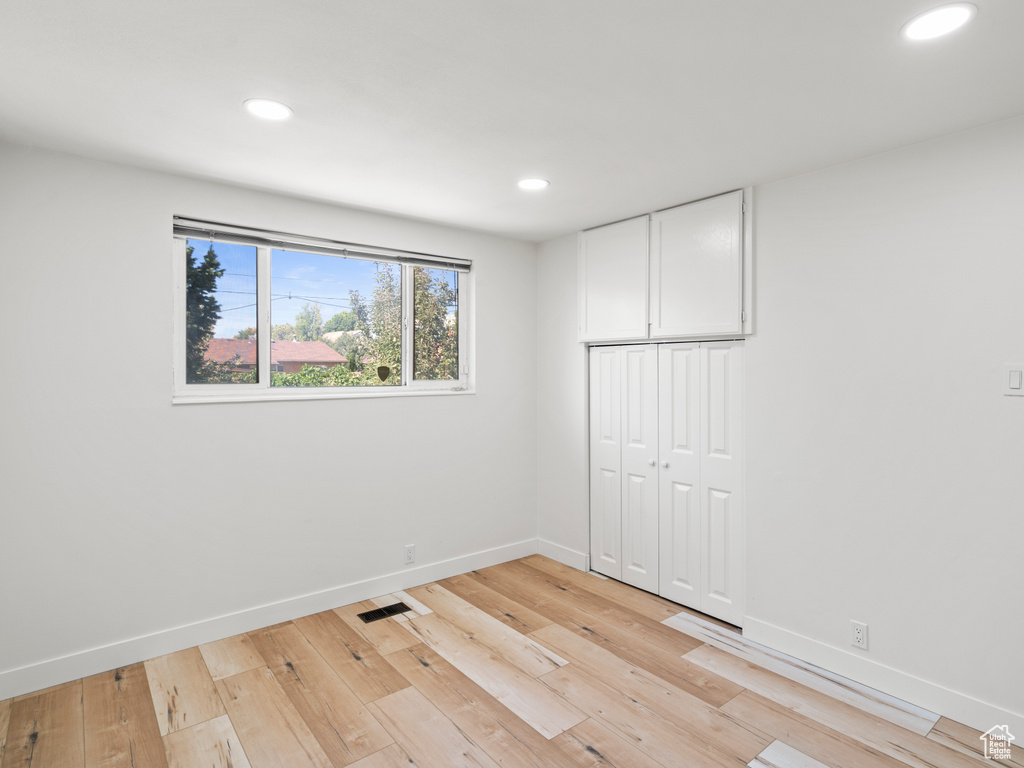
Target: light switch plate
[1013,380]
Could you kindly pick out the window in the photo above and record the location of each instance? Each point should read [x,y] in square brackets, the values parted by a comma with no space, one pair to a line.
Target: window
[263,315]
[435,342]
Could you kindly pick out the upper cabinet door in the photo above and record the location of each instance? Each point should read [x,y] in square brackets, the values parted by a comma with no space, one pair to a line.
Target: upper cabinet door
[696,269]
[613,281]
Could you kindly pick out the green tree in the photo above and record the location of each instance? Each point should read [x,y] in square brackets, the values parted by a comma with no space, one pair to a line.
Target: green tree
[385,338]
[282,332]
[309,324]
[436,328]
[379,341]
[351,347]
[342,321]
[201,315]
[248,333]
[358,349]
[360,314]
[313,376]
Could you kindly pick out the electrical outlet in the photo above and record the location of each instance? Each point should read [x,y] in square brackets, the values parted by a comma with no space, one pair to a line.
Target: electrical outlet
[410,554]
[859,636]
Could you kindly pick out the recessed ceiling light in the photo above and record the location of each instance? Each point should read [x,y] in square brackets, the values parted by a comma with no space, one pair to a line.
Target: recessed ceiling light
[939,21]
[533,184]
[268,110]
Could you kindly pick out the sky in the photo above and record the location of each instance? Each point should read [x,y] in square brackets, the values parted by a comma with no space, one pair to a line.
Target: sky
[296,279]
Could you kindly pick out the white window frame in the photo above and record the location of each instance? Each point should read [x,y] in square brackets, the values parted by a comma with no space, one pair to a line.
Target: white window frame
[265,242]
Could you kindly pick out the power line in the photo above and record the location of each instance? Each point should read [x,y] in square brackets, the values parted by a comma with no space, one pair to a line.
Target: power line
[310,298]
[317,299]
[285,296]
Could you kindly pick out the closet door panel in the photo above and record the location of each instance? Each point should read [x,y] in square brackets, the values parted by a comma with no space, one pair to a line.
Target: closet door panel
[679,459]
[605,462]
[640,532]
[680,544]
[719,550]
[721,481]
[640,466]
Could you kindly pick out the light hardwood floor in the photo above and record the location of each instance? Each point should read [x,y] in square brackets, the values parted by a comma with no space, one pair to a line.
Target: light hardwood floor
[529,664]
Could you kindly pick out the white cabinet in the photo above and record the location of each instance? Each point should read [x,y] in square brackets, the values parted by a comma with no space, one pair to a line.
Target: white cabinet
[666,471]
[612,278]
[677,273]
[696,268]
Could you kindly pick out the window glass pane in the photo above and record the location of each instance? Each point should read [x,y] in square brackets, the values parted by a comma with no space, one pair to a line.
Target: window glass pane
[436,322]
[335,322]
[220,338]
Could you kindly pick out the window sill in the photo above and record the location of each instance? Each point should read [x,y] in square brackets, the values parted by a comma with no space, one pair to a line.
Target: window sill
[289,393]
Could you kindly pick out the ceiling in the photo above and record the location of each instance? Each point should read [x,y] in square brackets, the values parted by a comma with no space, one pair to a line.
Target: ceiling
[435,108]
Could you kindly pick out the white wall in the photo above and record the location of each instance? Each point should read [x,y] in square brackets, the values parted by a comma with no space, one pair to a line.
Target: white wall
[124,517]
[885,471]
[562,461]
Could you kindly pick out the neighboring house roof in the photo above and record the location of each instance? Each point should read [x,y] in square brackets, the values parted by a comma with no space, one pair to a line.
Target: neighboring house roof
[240,351]
[243,352]
[303,352]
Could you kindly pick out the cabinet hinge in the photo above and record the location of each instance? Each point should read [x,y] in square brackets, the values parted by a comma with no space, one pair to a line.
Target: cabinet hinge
[743,207]
[743,315]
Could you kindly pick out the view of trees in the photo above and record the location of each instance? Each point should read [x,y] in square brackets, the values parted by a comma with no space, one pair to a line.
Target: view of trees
[338,376]
[382,332]
[283,332]
[342,321]
[376,343]
[309,325]
[201,315]
[372,339]
[436,335]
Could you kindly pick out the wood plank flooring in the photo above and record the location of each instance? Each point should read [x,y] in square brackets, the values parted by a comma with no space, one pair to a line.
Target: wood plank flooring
[529,664]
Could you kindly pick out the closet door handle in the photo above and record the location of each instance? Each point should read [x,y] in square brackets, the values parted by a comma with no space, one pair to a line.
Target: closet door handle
[665,464]
[652,462]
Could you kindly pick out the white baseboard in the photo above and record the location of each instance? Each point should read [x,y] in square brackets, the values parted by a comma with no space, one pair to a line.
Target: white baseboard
[44,674]
[931,696]
[564,555]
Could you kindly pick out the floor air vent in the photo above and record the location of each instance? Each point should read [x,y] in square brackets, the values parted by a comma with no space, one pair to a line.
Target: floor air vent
[382,613]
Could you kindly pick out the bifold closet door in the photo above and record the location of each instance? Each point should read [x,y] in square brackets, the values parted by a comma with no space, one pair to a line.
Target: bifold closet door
[701,491]
[640,466]
[623,464]
[721,487]
[606,461]
[679,450]
[665,472]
